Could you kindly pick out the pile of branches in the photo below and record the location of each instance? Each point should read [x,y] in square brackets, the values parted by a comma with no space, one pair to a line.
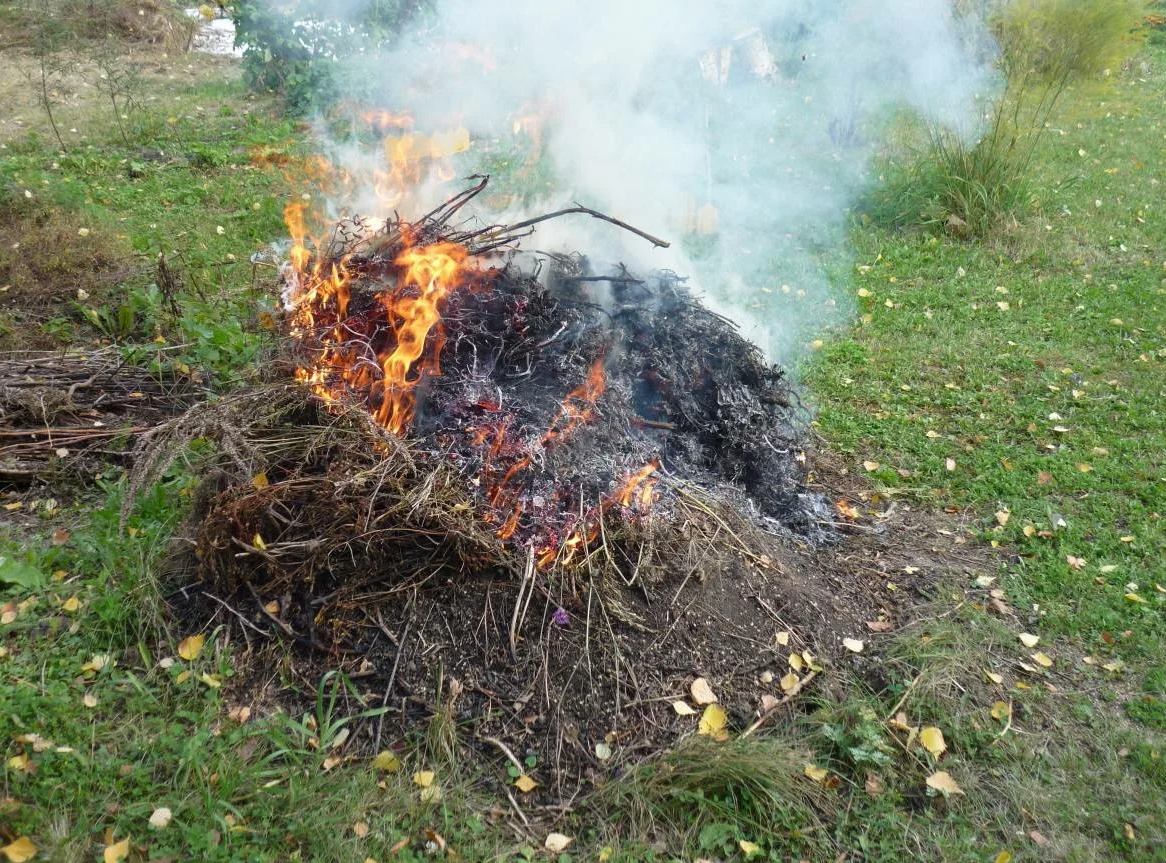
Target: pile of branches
[314,514]
[55,406]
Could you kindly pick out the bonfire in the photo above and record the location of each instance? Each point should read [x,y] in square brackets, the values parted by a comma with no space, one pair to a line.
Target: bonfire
[508,469]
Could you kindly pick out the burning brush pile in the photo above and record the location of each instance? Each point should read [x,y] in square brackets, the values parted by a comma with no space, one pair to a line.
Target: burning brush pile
[501,465]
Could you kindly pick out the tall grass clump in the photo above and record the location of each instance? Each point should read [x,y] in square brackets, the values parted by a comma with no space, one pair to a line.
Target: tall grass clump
[968,185]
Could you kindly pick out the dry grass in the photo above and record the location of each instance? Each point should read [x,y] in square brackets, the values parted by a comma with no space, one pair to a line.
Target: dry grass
[46,264]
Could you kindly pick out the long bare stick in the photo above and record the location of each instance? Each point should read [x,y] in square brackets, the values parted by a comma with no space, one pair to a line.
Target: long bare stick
[655,241]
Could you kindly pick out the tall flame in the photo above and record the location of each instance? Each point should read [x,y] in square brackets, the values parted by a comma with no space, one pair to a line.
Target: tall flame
[435,271]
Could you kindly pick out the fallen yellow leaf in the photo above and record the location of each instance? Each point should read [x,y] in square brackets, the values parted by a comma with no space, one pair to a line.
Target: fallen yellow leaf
[97,662]
[713,722]
[702,693]
[1003,857]
[424,778]
[994,677]
[160,818]
[525,784]
[191,646]
[682,708]
[1043,660]
[790,682]
[795,662]
[557,842]
[116,852]
[942,782]
[71,605]
[260,480]
[783,638]
[387,761]
[931,738]
[749,849]
[818,774]
[1001,711]
[854,645]
[1029,640]
[19,851]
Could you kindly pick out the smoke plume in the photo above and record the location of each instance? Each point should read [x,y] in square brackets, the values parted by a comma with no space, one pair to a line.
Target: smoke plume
[741,131]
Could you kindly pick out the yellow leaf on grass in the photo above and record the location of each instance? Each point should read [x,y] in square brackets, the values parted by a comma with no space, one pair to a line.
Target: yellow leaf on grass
[71,605]
[871,466]
[790,682]
[96,662]
[818,774]
[525,784]
[191,646]
[1029,640]
[1003,857]
[854,645]
[702,693]
[1043,660]
[795,662]
[260,480]
[1002,517]
[1001,710]
[994,677]
[116,852]
[931,738]
[749,849]
[942,782]
[713,722]
[258,542]
[682,708]
[1133,597]
[424,778]
[160,818]
[387,761]
[557,842]
[19,851]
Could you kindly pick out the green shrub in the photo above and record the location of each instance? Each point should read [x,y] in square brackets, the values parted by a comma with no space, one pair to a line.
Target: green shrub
[294,49]
[968,188]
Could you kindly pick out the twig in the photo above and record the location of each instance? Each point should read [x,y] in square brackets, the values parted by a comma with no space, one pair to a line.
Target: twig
[393,673]
[494,741]
[527,576]
[655,241]
[903,700]
[764,717]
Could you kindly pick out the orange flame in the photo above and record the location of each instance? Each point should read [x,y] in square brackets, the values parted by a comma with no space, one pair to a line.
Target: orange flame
[435,271]
[639,487]
[578,407]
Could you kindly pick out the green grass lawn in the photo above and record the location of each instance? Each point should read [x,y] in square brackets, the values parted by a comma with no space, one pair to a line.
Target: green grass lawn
[1018,383]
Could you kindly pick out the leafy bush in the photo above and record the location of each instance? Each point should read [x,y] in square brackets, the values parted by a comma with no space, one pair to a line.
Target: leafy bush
[293,49]
[967,188]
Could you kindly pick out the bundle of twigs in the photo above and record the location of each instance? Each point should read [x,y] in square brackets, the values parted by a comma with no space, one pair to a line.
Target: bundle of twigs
[54,404]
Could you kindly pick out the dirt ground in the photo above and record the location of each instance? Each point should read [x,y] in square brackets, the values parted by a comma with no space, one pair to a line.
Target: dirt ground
[584,693]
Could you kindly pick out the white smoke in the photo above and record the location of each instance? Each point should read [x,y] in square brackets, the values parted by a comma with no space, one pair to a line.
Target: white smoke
[654,110]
